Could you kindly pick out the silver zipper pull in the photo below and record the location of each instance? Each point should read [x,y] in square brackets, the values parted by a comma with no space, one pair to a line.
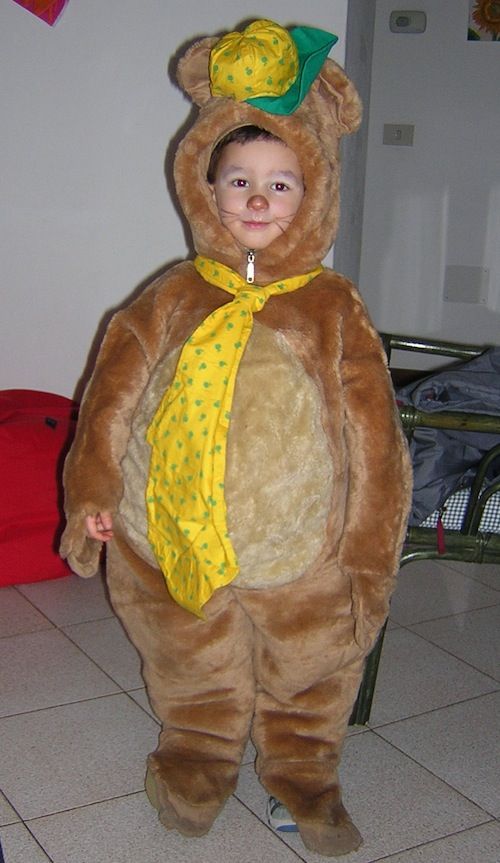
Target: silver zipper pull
[250,266]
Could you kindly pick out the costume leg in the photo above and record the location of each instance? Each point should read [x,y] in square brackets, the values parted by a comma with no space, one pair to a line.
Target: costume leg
[308,670]
[200,681]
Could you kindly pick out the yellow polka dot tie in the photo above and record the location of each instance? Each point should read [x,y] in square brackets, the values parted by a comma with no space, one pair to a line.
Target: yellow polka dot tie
[187,525]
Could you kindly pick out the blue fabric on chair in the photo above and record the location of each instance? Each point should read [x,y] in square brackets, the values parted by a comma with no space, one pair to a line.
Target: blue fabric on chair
[442,458]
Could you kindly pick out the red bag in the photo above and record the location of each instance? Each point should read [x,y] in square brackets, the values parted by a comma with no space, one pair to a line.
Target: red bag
[36,430]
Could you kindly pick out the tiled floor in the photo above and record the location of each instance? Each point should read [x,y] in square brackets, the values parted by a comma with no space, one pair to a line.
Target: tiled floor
[422,782]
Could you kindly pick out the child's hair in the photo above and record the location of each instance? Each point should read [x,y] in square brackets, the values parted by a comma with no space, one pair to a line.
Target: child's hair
[241,135]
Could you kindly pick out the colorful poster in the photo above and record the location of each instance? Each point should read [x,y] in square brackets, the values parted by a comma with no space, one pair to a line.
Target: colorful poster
[484,21]
[47,10]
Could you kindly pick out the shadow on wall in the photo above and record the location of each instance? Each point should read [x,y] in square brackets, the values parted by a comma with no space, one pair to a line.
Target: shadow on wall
[105,321]
[406,297]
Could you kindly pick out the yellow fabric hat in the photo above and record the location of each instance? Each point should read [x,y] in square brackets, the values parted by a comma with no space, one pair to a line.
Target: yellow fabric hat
[260,61]
[267,66]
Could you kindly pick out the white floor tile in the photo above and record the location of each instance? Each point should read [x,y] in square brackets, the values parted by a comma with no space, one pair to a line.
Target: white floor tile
[106,643]
[356,729]
[7,813]
[394,802]
[127,830]
[75,769]
[70,600]
[473,637]
[43,669]
[70,756]
[17,614]
[415,676]
[459,744]
[487,573]
[140,697]
[391,624]
[19,846]
[479,845]
[428,589]
[250,754]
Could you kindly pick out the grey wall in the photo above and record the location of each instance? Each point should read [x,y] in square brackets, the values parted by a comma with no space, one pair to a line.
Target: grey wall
[432,211]
[88,112]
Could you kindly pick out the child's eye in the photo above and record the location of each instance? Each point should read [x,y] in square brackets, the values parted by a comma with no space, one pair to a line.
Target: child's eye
[280,187]
[240,183]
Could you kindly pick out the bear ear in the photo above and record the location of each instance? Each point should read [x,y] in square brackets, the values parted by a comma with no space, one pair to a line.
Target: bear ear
[340,96]
[192,70]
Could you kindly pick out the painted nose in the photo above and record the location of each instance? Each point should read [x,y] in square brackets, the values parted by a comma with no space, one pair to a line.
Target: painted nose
[257,202]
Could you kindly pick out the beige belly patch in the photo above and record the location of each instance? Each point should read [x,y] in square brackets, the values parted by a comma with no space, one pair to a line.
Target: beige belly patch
[278,480]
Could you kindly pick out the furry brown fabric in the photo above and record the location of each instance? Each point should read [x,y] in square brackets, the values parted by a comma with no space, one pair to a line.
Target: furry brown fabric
[317,490]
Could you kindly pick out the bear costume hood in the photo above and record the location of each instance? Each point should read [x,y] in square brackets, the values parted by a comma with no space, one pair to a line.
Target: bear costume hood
[330,109]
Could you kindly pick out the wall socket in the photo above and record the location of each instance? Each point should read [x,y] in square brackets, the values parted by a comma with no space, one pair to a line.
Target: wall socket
[398,134]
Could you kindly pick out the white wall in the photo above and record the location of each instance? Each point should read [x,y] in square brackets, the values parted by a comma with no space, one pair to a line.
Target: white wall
[437,203]
[88,111]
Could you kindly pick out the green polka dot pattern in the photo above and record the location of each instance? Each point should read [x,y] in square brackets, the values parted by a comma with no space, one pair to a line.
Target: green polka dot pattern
[187,525]
[261,61]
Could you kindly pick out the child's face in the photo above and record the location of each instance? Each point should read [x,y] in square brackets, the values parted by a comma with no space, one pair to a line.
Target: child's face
[258,189]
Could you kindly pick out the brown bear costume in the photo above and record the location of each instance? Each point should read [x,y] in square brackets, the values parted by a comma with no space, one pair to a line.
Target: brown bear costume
[317,490]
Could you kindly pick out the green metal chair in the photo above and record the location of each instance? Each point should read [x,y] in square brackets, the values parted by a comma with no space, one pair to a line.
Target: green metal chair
[465,544]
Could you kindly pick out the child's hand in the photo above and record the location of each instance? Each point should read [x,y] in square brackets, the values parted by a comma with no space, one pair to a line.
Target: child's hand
[99,526]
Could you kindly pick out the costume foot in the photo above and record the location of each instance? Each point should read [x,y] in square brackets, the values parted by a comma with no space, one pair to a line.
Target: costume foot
[193,821]
[338,837]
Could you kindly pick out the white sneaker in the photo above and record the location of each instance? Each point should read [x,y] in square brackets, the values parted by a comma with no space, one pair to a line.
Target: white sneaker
[278,817]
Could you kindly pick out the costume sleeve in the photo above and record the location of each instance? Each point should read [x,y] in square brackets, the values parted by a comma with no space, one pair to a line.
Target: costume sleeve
[92,476]
[379,476]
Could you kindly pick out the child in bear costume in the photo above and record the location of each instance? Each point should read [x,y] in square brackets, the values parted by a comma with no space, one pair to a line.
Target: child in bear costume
[239,449]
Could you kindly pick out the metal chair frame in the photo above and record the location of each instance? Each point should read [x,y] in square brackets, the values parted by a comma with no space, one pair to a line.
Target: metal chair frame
[466,544]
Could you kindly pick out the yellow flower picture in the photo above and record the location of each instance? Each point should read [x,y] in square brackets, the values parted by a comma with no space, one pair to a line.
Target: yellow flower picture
[484,21]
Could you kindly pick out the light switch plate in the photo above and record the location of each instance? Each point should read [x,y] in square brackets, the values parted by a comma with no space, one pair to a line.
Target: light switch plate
[408,21]
[398,134]
[466,284]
